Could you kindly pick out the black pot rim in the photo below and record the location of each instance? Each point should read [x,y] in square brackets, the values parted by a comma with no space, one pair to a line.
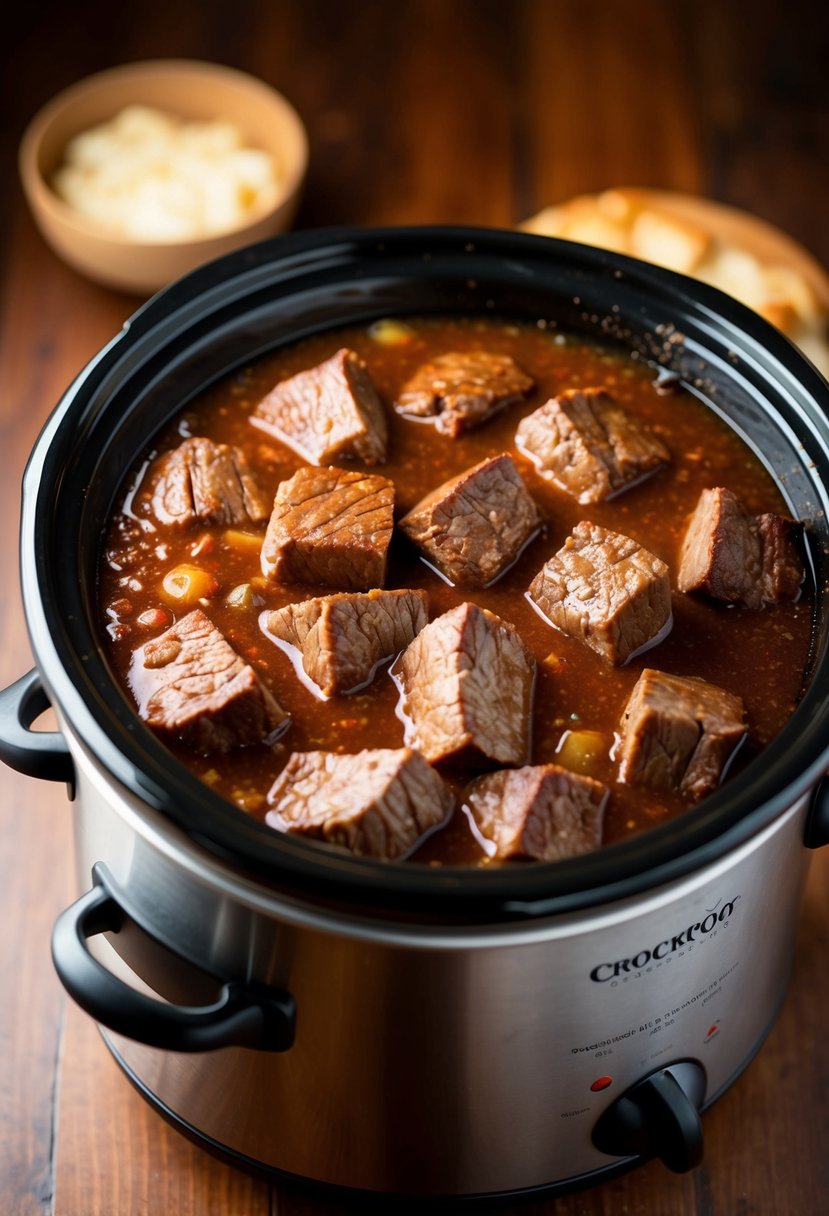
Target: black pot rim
[78,681]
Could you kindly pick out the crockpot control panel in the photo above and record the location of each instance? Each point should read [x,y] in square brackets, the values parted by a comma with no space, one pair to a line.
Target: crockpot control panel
[657,1117]
[664,1009]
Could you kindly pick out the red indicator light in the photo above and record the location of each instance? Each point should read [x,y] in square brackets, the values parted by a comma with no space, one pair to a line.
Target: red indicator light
[601,1083]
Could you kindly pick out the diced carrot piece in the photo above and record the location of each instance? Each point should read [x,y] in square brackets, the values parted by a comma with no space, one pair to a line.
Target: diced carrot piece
[250,542]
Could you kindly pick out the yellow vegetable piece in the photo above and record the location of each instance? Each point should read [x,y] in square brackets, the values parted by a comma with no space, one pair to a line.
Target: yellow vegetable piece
[582,750]
[186,585]
[390,333]
[245,541]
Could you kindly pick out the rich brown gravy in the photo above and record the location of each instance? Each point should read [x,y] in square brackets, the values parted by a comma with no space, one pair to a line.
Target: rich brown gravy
[758,655]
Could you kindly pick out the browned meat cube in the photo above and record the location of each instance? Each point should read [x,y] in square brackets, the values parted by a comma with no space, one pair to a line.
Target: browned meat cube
[737,557]
[474,526]
[205,481]
[678,733]
[327,413]
[543,812]
[606,590]
[586,444]
[466,685]
[783,569]
[462,389]
[189,682]
[343,638]
[378,803]
[330,526]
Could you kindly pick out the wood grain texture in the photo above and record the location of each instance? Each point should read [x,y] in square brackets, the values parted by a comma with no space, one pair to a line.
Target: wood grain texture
[423,111]
[115,1154]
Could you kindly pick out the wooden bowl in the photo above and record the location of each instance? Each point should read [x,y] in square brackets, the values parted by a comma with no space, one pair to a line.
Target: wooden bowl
[190,90]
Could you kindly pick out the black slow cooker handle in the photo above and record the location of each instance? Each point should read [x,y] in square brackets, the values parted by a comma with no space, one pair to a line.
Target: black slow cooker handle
[37,753]
[241,1017]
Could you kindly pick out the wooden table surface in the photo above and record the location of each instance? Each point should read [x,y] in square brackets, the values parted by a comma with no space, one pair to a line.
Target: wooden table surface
[429,111]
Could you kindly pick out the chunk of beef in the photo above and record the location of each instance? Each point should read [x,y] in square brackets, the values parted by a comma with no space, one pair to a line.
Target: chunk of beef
[606,590]
[783,569]
[190,683]
[543,812]
[586,444]
[343,638]
[205,481]
[376,803]
[330,526]
[462,389]
[327,413]
[741,558]
[678,733]
[474,526]
[466,685]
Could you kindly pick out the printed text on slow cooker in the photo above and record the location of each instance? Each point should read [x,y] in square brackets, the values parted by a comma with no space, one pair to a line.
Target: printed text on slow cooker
[678,943]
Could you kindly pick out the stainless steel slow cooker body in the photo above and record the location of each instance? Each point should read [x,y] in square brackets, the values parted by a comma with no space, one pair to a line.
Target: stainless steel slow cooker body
[397,1028]
[446,1060]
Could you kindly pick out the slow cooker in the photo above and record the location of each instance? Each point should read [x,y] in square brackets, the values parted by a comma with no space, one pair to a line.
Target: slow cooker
[410,1030]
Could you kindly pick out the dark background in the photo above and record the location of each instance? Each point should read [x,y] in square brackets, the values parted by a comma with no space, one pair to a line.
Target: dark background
[722,97]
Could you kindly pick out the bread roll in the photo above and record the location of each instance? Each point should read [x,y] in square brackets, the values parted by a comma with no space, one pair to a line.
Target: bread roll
[732,250]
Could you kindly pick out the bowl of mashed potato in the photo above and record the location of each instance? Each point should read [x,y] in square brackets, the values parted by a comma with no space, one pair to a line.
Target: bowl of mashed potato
[139,174]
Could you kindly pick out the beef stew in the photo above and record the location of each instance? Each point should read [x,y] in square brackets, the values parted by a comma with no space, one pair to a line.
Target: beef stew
[569,713]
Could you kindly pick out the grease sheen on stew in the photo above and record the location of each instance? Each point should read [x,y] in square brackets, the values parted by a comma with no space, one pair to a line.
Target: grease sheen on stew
[758,655]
